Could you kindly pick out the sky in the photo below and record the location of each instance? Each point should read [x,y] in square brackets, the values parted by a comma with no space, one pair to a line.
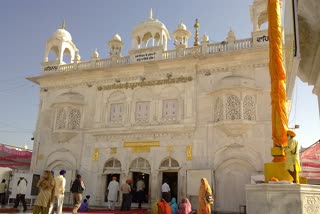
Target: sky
[26,25]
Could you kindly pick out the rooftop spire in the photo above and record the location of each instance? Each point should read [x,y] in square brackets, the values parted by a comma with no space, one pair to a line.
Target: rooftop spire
[196,37]
[63,24]
[151,14]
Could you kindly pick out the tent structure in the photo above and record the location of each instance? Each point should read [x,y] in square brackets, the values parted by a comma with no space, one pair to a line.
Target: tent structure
[15,157]
[310,162]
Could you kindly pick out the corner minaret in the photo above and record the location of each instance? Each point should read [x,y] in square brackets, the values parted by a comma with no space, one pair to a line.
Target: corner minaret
[60,43]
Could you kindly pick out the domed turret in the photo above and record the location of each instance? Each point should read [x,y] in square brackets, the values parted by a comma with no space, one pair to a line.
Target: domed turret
[231,36]
[60,43]
[181,35]
[115,46]
[95,55]
[150,30]
[205,38]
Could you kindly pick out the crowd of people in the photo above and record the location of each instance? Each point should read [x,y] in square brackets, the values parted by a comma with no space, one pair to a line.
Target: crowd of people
[52,190]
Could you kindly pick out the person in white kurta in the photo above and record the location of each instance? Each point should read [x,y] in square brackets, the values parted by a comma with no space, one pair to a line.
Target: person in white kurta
[113,188]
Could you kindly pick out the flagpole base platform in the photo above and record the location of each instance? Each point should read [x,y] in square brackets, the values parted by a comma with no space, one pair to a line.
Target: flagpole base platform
[277,170]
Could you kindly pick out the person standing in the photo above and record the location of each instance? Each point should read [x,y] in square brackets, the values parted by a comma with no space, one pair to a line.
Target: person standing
[140,191]
[59,192]
[165,188]
[77,189]
[174,206]
[113,188]
[204,205]
[292,164]
[185,207]
[3,188]
[46,186]
[163,207]
[126,190]
[21,189]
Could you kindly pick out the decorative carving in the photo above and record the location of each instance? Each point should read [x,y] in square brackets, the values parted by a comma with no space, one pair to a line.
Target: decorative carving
[218,110]
[249,108]
[68,118]
[74,119]
[169,148]
[233,108]
[133,85]
[61,119]
[312,204]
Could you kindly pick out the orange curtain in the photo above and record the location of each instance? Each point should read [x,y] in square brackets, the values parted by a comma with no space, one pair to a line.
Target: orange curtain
[278,79]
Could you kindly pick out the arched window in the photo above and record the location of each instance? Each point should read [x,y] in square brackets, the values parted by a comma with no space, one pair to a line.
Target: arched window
[74,119]
[169,163]
[68,117]
[140,164]
[112,164]
[61,119]
[233,108]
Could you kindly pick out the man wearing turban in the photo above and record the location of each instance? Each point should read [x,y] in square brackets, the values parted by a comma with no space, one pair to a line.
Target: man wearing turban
[113,188]
[292,157]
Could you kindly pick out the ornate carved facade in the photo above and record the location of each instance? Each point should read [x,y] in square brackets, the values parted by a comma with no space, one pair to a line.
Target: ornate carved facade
[158,114]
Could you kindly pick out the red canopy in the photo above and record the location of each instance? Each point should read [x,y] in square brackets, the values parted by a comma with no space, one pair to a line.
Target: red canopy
[310,161]
[14,158]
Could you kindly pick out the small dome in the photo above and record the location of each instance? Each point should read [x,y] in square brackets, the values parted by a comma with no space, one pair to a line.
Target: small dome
[62,34]
[182,26]
[116,37]
[95,54]
[205,38]
[231,33]
[78,57]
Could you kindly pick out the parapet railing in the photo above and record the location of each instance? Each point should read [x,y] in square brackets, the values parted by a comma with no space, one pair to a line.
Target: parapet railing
[170,54]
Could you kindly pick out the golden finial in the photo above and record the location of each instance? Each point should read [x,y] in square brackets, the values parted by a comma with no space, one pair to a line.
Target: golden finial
[196,36]
[63,24]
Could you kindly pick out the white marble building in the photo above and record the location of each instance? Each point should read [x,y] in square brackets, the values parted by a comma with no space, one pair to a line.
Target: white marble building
[158,113]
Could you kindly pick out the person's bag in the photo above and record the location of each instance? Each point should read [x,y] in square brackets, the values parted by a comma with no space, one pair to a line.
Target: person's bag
[209,198]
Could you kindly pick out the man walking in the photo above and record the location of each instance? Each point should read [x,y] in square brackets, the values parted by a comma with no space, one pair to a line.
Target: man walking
[21,193]
[59,192]
[113,188]
[77,189]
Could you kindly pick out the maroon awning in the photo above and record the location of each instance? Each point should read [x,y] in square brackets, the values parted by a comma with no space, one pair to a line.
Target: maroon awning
[14,157]
[310,161]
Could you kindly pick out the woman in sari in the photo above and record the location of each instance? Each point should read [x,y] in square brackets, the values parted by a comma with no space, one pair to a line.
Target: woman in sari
[185,206]
[163,207]
[46,186]
[204,206]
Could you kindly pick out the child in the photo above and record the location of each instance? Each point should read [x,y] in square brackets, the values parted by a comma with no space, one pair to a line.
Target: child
[84,206]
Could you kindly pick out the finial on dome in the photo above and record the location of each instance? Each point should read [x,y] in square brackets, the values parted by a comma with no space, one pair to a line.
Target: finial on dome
[63,24]
[151,14]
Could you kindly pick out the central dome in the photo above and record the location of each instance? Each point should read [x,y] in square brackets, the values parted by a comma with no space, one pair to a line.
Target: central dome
[62,34]
[149,33]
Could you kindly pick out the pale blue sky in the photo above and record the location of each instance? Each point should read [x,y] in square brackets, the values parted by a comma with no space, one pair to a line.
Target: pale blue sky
[26,25]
